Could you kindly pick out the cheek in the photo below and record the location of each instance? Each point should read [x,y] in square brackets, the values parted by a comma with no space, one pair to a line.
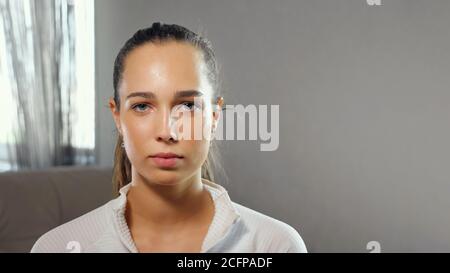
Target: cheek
[198,126]
[197,151]
[136,132]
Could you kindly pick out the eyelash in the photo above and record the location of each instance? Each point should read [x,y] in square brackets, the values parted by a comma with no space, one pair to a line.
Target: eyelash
[137,105]
[134,107]
[192,104]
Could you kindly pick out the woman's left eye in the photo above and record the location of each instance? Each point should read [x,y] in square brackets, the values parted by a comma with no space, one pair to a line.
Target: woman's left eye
[191,105]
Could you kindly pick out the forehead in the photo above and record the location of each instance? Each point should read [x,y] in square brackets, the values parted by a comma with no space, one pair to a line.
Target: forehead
[162,68]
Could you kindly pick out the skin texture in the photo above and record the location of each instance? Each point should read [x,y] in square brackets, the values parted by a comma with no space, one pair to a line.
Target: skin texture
[168,210]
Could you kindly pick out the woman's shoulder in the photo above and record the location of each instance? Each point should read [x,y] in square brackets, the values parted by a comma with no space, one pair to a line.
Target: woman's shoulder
[273,234]
[81,231]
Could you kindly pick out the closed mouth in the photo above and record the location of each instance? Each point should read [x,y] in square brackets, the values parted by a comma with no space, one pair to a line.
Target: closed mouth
[166,155]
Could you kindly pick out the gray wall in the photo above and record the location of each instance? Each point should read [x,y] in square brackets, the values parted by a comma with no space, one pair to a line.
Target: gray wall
[364,107]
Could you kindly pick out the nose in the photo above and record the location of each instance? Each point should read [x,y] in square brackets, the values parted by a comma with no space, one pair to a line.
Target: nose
[166,131]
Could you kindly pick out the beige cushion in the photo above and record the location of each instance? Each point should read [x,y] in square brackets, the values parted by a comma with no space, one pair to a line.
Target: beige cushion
[33,202]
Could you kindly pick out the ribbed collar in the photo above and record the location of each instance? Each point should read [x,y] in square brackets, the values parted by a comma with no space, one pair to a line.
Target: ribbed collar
[225,216]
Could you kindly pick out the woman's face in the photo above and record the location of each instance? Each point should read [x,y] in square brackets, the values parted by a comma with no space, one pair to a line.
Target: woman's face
[164,88]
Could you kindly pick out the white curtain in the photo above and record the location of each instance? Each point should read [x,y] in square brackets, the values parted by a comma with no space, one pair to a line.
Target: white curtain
[38,66]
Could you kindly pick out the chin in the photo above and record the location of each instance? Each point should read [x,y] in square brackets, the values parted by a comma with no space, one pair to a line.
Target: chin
[165,177]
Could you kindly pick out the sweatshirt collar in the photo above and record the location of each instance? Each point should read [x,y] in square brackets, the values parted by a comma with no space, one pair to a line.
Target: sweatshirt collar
[225,216]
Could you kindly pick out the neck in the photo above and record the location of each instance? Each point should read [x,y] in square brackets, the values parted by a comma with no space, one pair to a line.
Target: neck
[165,206]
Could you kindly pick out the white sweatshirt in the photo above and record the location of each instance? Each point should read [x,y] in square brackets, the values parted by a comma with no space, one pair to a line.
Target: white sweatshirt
[234,228]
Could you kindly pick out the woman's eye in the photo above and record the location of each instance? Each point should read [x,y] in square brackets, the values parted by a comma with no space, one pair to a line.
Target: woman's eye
[140,107]
[190,106]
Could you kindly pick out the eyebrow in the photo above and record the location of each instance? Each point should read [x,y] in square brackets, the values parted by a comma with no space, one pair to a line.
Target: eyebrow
[178,94]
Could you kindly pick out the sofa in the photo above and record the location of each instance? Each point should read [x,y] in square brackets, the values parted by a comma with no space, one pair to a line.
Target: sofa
[34,202]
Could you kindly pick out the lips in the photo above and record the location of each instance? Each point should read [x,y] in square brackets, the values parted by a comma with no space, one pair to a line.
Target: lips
[166,160]
[166,155]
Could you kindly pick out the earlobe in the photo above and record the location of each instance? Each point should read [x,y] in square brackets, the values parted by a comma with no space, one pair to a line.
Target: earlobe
[216,116]
[115,114]
[219,102]
[119,128]
[217,108]
[112,106]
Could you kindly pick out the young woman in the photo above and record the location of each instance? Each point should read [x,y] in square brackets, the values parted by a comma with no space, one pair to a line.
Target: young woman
[163,76]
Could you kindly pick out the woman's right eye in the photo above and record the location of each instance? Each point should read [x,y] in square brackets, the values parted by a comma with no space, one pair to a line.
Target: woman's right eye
[140,107]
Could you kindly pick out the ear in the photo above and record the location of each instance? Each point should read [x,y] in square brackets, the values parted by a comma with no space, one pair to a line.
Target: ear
[216,112]
[116,114]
